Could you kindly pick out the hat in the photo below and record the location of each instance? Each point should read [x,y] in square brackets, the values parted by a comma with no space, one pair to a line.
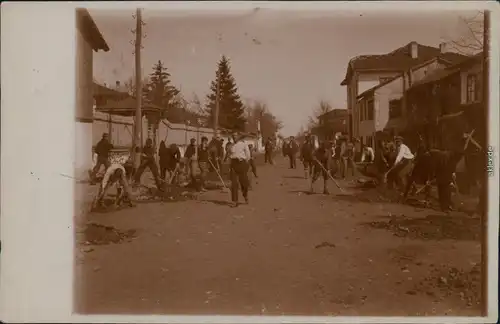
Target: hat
[398,138]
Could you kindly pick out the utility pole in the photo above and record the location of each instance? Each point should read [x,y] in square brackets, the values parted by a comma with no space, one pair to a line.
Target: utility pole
[217,99]
[483,201]
[138,82]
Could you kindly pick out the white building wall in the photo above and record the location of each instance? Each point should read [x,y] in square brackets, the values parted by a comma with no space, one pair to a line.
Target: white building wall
[390,91]
[84,107]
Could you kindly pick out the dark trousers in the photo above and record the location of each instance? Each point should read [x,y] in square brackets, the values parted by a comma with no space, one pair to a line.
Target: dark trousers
[308,167]
[239,179]
[268,157]
[293,160]
[444,193]
[148,163]
[348,163]
[253,167]
[399,175]
[320,168]
[100,162]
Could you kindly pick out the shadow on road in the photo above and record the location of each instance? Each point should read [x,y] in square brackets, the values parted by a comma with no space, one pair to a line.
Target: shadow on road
[303,192]
[217,202]
[293,177]
[432,227]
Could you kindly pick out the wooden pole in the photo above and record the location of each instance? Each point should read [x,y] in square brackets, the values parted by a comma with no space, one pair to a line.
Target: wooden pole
[484,187]
[138,81]
[217,98]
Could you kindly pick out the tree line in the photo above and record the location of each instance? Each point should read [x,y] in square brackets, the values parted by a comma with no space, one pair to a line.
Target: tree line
[233,113]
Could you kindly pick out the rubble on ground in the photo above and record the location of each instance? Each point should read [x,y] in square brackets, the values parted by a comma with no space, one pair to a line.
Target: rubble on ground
[432,227]
[97,234]
[448,281]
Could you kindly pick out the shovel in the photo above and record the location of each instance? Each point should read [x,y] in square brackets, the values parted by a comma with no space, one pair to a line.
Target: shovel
[218,174]
[330,176]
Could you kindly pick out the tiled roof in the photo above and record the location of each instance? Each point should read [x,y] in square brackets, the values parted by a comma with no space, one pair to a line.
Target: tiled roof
[338,112]
[447,71]
[399,59]
[435,76]
[100,90]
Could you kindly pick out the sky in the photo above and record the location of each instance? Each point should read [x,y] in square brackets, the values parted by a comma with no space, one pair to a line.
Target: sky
[298,58]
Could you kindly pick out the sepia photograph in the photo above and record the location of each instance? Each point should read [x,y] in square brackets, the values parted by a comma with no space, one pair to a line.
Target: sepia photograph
[279,162]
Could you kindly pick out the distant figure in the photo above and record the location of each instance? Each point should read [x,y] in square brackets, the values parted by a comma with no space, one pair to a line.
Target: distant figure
[169,160]
[191,149]
[322,161]
[269,147]
[285,148]
[348,153]
[368,155]
[102,149]
[116,173]
[239,155]
[164,155]
[203,162]
[402,164]
[306,156]
[293,149]
[148,161]
[253,167]
[216,152]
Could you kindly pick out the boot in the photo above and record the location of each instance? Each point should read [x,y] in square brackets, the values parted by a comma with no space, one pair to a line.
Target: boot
[325,188]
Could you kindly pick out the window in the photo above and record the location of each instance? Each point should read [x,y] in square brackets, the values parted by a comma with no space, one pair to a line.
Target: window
[370,107]
[472,91]
[395,109]
[362,110]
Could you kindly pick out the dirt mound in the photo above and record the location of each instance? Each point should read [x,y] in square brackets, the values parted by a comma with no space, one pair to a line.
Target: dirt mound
[96,234]
[452,282]
[432,227]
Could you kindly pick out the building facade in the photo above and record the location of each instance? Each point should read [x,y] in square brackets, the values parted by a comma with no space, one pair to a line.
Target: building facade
[88,40]
[331,123]
[367,71]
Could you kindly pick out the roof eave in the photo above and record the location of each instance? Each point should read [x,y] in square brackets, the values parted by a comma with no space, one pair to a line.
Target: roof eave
[88,28]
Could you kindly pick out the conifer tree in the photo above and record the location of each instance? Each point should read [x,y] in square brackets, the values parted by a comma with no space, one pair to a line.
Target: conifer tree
[160,92]
[231,108]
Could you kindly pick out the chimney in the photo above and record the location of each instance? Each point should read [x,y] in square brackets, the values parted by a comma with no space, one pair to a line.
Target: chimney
[117,85]
[443,48]
[414,50]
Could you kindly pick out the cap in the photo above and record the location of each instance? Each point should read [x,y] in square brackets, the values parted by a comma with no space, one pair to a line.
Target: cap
[398,138]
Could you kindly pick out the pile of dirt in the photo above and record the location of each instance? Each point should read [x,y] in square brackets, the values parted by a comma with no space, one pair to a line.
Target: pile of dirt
[96,234]
[432,227]
[448,282]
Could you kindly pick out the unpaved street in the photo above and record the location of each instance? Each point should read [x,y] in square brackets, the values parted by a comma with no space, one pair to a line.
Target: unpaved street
[287,252]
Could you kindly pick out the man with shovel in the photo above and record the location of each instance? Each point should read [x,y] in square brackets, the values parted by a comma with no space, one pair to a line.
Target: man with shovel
[239,155]
[322,160]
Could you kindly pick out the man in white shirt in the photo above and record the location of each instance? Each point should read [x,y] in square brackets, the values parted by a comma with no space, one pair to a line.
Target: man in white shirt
[117,173]
[368,155]
[239,155]
[402,165]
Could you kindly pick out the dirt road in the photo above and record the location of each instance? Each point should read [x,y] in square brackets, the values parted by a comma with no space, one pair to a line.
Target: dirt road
[287,252]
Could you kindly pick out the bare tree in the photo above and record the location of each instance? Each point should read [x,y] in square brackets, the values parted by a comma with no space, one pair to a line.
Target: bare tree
[471,39]
[257,111]
[322,108]
[129,84]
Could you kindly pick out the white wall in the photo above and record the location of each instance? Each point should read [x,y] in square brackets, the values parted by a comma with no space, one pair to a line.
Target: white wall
[366,81]
[84,107]
[83,149]
[390,91]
